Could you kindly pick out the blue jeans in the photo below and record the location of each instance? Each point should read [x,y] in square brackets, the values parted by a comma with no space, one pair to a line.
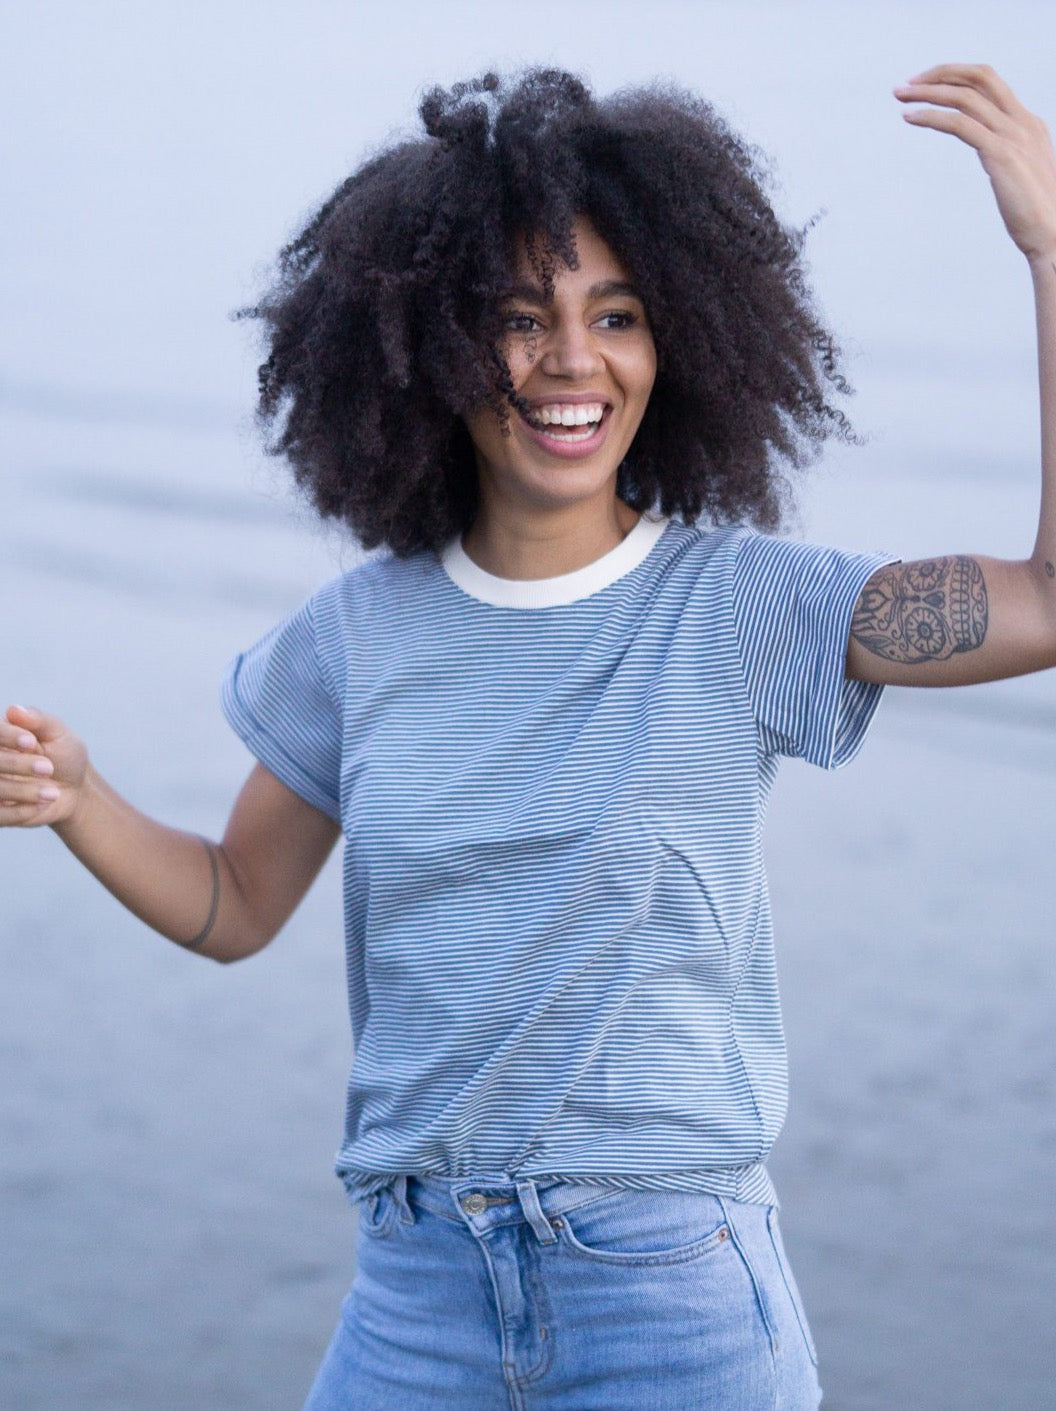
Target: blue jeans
[491,1295]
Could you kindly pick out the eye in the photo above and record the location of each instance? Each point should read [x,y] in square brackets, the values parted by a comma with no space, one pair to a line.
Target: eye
[519,322]
[618,318]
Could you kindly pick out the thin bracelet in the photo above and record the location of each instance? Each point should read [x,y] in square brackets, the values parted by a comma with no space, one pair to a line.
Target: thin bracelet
[203,934]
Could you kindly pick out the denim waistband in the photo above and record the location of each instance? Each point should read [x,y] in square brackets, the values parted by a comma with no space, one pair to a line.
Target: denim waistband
[749,1184]
[494,1201]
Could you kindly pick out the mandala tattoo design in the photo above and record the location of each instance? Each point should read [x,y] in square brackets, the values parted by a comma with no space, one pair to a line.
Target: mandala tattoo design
[925,611]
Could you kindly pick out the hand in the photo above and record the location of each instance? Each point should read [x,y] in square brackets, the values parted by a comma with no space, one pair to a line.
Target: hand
[976,105]
[42,769]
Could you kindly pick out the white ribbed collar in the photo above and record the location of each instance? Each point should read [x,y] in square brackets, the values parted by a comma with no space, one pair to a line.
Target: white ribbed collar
[553,592]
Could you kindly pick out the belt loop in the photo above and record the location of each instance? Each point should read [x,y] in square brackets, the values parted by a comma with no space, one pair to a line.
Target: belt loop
[533,1212]
[399,1195]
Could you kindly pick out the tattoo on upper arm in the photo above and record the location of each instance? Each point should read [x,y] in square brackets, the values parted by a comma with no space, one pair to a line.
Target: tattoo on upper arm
[214,906]
[1049,569]
[926,611]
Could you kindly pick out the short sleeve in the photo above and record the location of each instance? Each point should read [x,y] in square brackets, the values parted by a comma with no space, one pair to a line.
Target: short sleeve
[792,606]
[277,700]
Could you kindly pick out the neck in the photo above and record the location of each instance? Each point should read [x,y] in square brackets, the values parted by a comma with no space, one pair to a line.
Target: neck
[546,542]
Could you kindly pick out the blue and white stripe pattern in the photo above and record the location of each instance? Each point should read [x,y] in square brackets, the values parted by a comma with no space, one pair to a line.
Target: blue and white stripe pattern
[560,957]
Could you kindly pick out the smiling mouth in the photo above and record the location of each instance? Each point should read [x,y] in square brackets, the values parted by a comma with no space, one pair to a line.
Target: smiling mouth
[567,424]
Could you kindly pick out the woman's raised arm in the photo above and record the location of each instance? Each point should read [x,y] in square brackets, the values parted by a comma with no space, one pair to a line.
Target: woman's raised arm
[959,619]
[225,900]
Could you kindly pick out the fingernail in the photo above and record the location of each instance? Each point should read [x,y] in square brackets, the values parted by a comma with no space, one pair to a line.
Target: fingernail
[43,766]
[26,742]
[48,793]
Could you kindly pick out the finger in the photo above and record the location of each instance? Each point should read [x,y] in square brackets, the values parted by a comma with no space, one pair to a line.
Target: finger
[16,731]
[27,791]
[23,762]
[13,737]
[965,100]
[943,120]
[23,815]
[980,76]
[45,727]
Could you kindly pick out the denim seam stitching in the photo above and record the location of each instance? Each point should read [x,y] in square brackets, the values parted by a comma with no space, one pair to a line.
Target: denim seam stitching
[764,1313]
[681,1254]
[808,1341]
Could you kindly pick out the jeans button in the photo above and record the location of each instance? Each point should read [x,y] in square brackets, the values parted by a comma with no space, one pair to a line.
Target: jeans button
[474,1204]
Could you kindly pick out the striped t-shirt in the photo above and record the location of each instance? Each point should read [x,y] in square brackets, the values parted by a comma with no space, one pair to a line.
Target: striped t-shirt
[560,959]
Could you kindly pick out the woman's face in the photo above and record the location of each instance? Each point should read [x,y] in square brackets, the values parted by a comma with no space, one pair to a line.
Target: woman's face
[585,362]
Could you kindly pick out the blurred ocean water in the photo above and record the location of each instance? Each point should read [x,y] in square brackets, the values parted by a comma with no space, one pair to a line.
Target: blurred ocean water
[172,1235]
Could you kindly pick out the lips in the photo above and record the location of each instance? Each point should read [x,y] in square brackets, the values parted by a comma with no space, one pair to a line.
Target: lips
[569,442]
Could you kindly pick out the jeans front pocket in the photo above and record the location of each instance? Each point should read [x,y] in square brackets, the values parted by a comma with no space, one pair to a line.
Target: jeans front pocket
[644,1227]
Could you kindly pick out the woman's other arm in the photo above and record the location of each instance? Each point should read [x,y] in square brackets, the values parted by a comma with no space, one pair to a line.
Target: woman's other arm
[225,900]
[959,619]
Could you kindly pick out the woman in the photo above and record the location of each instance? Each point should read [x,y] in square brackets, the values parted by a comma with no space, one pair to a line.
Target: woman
[525,354]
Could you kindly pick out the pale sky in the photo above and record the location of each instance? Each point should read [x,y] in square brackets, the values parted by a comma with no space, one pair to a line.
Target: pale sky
[158,154]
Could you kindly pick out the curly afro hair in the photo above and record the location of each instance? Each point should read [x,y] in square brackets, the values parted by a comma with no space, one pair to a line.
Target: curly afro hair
[384,326]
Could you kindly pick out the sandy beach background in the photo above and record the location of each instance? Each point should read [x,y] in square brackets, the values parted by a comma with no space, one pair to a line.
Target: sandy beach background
[170,1233]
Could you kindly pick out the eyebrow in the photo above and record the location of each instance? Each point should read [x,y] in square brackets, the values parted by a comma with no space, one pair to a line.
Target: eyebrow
[607,289]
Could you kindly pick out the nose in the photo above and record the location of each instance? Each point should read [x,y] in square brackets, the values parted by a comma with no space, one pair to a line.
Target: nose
[570,352]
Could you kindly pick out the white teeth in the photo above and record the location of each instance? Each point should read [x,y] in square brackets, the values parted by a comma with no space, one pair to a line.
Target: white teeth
[558,415]
[581,433]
